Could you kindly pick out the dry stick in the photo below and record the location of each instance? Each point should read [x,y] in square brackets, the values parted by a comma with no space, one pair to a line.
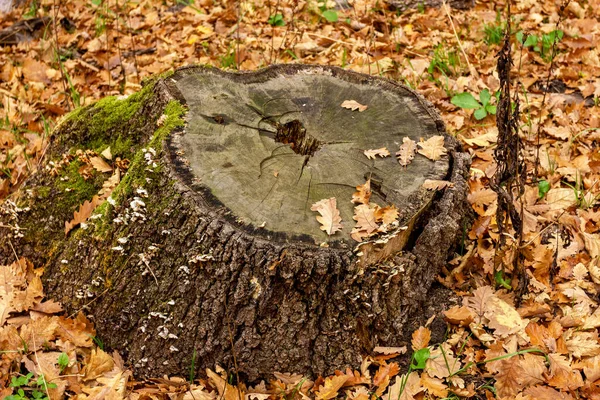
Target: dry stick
[472,70]
[239,22]
[119,50]
[13,250]
[552,55]
[62,73]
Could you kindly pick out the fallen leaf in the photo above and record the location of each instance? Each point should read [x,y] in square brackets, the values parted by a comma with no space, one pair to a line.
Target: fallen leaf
[432,184]
[407,151]
[329,219]
[100,165]
[433,148]
[354,105]
[81,215]
[372,153]
[106,153]
[363,193]
[330,388]
[420,338]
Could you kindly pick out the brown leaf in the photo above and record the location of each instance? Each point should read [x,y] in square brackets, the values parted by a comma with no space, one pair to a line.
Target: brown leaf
[329,219]
[433,148]
[407,151]
[434,386]
[364,215]
[81,215]
[98,363]
[100,165]
[387,214]
[459,316]
[508,378]
[441,362]
[354,105]
[363,193]
[562,376]
[420,338]
[110,184]
[372,153]
[226,391]
[330,388]
[389,350]
[432,184]
[106,153]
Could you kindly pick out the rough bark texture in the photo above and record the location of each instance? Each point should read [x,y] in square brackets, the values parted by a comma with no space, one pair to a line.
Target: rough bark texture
[166,272]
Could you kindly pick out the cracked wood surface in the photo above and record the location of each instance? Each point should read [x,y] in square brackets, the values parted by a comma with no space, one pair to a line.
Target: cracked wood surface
[268,145]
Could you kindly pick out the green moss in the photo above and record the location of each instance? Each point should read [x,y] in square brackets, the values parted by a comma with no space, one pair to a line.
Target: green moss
[137,173]
[74,189]
[43,192]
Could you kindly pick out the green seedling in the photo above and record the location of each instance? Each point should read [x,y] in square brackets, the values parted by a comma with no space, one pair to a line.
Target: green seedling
[25,384]
[541,44]
[543,188]
[63,361]
[482,106]
[276,20]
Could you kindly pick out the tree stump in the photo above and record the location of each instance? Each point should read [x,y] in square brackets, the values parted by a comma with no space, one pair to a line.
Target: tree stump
[208,244]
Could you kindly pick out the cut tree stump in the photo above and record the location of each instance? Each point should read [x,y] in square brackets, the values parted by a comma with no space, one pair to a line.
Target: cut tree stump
[208,244]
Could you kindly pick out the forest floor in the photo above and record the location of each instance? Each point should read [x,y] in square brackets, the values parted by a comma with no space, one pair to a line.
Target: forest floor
[544,345]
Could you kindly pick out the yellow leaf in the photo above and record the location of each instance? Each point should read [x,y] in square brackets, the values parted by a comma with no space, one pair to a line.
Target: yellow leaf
[330,388]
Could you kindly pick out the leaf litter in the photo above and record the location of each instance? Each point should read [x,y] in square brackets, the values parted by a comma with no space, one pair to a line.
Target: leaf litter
[546,347]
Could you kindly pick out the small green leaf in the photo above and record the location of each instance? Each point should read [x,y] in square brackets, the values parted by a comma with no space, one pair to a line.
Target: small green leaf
[490,109]
[480,113]
[531,41]
[419,358]
[543,188]
[500,280]
[485,97]
[519,36]
[63,361]
[276,20]
[330,15]
[465,100]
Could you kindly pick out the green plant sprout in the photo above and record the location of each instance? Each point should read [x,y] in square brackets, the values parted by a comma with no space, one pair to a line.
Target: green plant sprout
[541,44]
[38,387]
[276,20]
[482,106]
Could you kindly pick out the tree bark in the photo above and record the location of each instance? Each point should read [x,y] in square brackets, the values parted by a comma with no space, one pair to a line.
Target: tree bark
[208,245]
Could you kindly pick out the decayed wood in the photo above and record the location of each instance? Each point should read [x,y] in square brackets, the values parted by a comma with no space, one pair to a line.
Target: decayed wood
[198,271]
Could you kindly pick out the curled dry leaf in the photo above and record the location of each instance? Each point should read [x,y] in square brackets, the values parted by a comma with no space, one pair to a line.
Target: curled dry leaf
[330,388]
[372,153]
[363,193]
[433,148]
[389,350]
[330,218]
[387,214]
[407,151]
[106,153]
[354,105]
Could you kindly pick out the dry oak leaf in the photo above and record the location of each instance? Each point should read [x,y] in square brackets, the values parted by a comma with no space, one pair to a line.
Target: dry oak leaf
[441,362]
[562,376]
[508,379]
[407,151]
[107,153]
[420,338]
[373,153]
[433,148]
[433,184]
[482,197]
[81,215]
[503,318]
[459,315]
[363,193]
[545,393]
[329,219]
[110,184]
[477,303]
[412,386]
[482,140]
[99,363]
[100,165]
[354,105]
[389,350]
[434,386]
[226,391]
[583,344]
[534,368]
[330,388]
[387,214]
